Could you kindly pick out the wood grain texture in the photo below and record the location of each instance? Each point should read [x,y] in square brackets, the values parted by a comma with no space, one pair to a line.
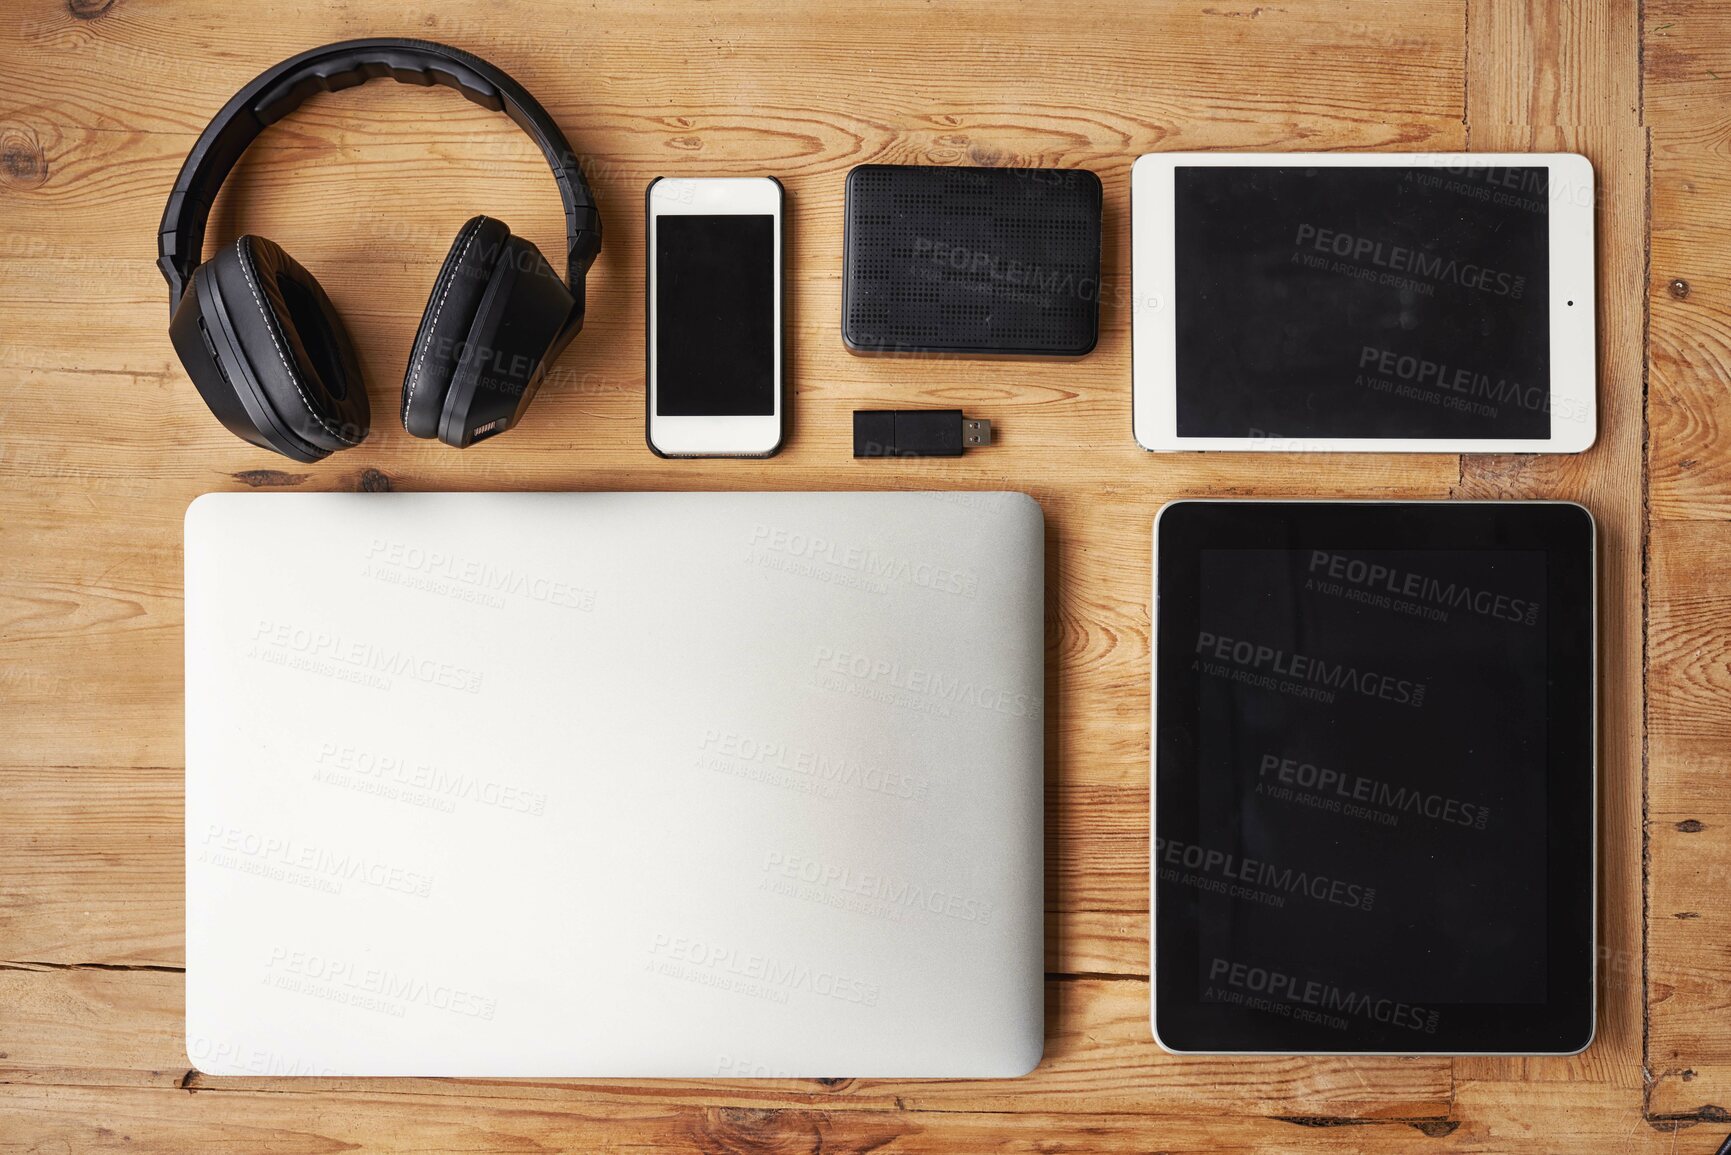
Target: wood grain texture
[1687,69]
[103,443]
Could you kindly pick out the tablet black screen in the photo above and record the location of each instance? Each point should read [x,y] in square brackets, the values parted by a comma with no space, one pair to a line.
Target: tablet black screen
[1349,302]
[1372,774]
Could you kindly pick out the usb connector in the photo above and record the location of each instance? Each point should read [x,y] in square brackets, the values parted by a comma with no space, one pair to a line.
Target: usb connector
[917,432]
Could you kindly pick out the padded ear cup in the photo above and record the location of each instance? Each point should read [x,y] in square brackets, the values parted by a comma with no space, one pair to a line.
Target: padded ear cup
[294,342]
[443,337]
[517,330]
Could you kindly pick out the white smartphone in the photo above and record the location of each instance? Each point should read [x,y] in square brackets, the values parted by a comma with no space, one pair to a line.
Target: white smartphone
[714,311]
[1371,302]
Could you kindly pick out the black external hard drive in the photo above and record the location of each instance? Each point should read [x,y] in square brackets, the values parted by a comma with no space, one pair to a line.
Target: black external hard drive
[981,261]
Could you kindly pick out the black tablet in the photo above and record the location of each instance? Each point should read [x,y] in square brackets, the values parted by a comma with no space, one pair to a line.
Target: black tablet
[1374,777]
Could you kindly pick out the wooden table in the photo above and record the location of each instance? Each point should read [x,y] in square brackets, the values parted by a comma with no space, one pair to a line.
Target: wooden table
[103,442]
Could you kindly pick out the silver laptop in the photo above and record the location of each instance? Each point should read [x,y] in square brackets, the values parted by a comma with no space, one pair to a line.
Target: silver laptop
[701,785]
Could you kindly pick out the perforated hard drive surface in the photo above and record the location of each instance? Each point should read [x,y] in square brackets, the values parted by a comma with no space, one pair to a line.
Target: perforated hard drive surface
[972,260]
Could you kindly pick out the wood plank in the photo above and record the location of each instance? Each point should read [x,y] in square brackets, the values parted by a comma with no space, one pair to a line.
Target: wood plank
[1689,1039]
[1576,1116]
[284,1121]
[1687,62]
[1691,322]
[1353,61]
[62,1029]
[1688,78]
[275,1123]
[1552,64]
[1688,654]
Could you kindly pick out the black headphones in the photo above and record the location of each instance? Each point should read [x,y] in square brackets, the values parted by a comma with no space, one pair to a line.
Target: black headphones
[265,346]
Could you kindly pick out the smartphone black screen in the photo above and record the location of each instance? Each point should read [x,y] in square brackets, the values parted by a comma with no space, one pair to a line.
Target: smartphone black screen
[715,316]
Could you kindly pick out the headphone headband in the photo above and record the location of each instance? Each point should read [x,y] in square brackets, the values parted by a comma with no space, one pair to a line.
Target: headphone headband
[279,90]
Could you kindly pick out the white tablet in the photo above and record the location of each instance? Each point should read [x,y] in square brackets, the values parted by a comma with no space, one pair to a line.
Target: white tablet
[1424,302]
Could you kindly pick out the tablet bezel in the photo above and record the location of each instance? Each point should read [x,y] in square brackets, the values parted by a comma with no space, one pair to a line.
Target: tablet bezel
[1565,1024]
[1573,350]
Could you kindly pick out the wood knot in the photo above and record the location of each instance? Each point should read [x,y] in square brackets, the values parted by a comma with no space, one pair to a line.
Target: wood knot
[23,164]
[1691,826]
[948,148]
[88,9]
[735,1130]
[267,477]
[372,481]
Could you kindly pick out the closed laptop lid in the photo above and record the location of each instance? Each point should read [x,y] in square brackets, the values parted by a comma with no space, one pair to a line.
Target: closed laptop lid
[614,784]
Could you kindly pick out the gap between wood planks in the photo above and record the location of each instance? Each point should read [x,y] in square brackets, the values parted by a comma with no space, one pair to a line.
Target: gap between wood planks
[36,965]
